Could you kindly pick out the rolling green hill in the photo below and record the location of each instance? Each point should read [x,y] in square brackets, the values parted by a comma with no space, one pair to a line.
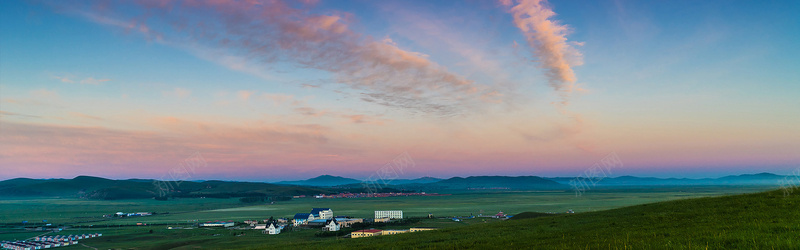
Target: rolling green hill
[105,189]
[752,221]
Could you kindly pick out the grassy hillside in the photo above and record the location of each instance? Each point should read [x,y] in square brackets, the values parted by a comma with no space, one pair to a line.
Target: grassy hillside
[106,189]
[584,227]
[751,221]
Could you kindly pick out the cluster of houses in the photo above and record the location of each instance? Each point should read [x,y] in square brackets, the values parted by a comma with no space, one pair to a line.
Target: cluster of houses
[371,195]
[499,215]
[324,219]
[378,232]
[270,226]
[122,214]
[43,242]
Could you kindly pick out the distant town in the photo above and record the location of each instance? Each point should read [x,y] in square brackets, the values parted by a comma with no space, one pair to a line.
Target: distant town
[369,195]
[322,219]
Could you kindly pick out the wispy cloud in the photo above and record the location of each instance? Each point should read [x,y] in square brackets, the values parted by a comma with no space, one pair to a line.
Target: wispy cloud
[71,79]
[65,79]
[548,39]
[93,81]
[364,119]
[277,32]
[6,113]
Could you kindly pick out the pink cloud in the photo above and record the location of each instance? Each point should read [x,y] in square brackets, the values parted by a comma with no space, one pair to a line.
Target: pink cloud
[548,39]
[93,81]
[65,79]
[364,119]
[267,32]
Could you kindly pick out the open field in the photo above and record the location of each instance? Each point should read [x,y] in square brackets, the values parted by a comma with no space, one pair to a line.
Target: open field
[72,210]
[219,238]
[122,232]
[459,204]
[765,220]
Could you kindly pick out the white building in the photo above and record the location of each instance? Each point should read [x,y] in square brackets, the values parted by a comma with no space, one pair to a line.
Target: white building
[217,224]
[322,213]
[332,225]
[273,229]
[302,218]
[391,214]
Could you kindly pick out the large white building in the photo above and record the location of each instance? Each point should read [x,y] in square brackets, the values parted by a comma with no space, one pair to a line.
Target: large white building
[322,213]
[391,214]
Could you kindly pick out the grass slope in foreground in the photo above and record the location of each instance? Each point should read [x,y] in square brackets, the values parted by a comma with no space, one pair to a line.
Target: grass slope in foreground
[751,221]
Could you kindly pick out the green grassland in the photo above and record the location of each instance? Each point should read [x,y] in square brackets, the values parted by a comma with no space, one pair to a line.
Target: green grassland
[595,208]
[751,221]
[139,237]
[73,210]
[459,204]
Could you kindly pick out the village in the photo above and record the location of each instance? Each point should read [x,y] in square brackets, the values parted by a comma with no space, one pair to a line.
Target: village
[324,220]
[371,195]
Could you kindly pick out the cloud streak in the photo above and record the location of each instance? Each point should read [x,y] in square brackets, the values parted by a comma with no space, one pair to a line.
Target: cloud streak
[88,80]
[547,38]
[267,33]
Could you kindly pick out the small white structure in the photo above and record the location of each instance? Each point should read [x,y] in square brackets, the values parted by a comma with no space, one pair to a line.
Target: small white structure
[332,225]
[273,229]
[217,224]
[391,214]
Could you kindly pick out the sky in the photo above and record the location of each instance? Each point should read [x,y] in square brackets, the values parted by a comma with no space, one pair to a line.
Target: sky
[286,90]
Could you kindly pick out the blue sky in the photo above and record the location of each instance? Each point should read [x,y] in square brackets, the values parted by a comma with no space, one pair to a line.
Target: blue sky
[676,88]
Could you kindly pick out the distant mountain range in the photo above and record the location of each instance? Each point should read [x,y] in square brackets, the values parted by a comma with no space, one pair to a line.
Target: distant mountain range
[497,182]
[106,189]
[330,181]
[745,179]
[534,182]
